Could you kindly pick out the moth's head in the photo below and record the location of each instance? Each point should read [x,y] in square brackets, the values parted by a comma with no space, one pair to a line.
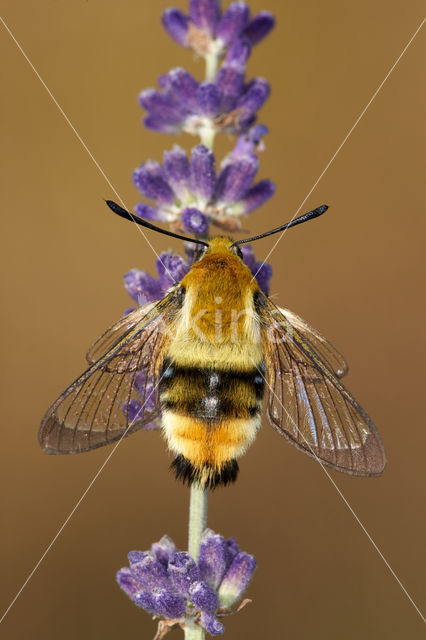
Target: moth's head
[219,247]
[220,255]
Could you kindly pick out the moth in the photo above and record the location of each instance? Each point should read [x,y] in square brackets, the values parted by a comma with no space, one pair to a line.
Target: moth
[201,361]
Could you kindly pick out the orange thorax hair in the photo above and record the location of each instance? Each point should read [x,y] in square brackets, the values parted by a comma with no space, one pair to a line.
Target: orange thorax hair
[220,290]
[217,325]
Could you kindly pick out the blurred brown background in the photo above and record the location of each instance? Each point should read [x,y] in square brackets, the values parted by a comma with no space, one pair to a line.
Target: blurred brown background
[356,275]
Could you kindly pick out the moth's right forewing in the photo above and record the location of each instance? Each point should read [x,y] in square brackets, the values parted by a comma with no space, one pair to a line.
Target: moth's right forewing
[315,341]
[309,405]
[118,394]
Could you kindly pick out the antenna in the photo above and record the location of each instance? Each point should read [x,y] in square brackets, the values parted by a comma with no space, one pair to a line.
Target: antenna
[144,223]
[306,216]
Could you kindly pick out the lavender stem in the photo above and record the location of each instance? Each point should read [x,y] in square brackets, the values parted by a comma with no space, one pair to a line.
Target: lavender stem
[207,136]
[211,66]
[194,633]
[197,524]
[197,519]
[198,498]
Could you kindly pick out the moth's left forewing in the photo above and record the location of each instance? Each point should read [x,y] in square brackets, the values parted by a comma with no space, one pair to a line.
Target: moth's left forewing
[309,405]
[114,334]
[116,395]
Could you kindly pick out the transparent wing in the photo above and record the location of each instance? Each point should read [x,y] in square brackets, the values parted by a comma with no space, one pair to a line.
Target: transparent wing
[112,335]
[310,406]
[328,354]
[118,394]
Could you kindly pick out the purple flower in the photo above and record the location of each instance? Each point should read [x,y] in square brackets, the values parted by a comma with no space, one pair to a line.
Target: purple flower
[236,178]
[236,579]
[209,31]
[228,103]
[213,558]
[177,25]
[134,409]
[163,550]
[171,268]
[161,602]
[194,221]
[204,14]
[233,22]
[250,142]
[262,271]
[259,27]
[263,274]
[144,288]
[183,572]
[190,194]
[169,584]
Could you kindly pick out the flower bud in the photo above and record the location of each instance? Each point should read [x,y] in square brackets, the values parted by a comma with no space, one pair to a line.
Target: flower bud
[236,579]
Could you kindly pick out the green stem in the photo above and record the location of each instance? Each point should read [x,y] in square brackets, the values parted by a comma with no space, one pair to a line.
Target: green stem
[197,519]
[194,633]
[212,60]
[207,135]
[197,524]
[198,499]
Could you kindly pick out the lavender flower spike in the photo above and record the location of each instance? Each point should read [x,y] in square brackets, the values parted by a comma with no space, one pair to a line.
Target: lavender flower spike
[170,585]
[190,193]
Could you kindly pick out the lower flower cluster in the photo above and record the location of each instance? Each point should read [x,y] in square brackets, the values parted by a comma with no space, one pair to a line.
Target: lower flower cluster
[170,585]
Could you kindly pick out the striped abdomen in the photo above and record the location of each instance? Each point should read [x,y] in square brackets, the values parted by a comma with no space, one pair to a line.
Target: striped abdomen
[210,417]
